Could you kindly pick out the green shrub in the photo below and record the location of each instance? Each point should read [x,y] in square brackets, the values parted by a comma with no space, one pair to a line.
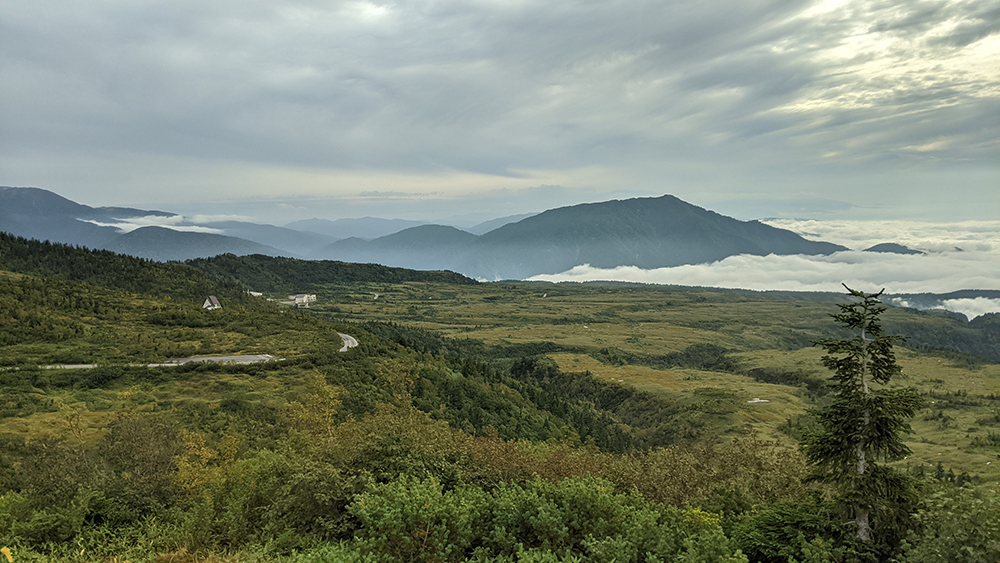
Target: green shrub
[417,521]
[955,524]
[777,533]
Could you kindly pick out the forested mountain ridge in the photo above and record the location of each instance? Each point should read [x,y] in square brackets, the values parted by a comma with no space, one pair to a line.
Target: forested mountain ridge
[108,269]
[277,275]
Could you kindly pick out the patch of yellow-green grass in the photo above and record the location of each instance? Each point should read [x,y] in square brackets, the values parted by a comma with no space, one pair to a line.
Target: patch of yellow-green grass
[948,431]
[74,421]
[781,402]
[654,320]
[932,373]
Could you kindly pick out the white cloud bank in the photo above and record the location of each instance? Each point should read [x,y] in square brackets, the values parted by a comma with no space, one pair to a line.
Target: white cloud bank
[927,236]
[972,308]
[867,271]
[173,222]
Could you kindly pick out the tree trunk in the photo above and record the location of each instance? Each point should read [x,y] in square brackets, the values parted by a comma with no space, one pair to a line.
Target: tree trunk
[861,519]
[860,513]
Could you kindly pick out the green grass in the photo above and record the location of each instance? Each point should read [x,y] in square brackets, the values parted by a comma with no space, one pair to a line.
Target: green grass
[762,331]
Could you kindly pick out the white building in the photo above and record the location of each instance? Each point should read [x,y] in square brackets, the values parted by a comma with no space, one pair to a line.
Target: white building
[302,300]
[211,303]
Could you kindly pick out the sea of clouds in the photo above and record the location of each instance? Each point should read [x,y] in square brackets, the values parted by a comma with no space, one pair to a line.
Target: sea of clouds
[191,224]
[956,256]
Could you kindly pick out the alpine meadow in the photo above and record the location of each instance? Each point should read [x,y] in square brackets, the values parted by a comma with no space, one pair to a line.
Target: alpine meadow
[521,421]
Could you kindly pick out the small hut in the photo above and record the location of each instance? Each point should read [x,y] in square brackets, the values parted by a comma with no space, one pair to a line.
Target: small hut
[211,303]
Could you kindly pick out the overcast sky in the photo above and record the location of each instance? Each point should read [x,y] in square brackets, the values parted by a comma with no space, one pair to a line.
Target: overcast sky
[431,109]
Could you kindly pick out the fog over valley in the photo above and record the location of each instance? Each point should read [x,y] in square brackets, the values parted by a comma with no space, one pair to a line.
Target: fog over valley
[941,269]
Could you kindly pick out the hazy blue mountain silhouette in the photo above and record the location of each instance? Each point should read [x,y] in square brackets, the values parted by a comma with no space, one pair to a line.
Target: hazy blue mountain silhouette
[892,248]
[159,243]
[644,232]
[364,227]
[44,215]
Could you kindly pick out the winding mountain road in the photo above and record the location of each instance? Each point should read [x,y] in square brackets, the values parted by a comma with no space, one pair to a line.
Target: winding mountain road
[349,342]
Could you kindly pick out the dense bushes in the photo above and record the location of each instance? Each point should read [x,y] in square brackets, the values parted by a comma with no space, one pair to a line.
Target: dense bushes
[418,520]
[708,357]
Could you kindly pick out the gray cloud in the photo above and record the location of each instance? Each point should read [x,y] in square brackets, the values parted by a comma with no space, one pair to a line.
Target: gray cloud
[713,95]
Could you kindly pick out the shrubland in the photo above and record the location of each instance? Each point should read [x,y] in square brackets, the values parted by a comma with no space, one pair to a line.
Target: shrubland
[459,429]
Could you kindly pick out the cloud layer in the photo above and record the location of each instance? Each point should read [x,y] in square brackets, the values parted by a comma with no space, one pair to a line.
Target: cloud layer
[918,235]
[341,97]
[938,271]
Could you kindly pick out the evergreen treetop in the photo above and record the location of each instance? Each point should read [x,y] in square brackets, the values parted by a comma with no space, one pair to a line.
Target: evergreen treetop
[864,423]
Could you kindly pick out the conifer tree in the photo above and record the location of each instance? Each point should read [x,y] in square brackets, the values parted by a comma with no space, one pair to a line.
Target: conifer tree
[864,423]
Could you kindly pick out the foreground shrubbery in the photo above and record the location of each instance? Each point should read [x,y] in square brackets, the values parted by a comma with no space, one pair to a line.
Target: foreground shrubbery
[390,453]
[147,488]
[399,486]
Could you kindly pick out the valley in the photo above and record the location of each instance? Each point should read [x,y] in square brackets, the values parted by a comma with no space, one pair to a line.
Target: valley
[688,401]
[616,331]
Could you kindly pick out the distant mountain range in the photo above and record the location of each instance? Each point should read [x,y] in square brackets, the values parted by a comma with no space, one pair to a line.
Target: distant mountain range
[157,235]
[644,232]
[365,227]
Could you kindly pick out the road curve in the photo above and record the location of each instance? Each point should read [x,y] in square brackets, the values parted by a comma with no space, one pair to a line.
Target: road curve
[349,342]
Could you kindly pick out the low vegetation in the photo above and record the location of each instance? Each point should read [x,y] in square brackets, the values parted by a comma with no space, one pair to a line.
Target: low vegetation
[482,422]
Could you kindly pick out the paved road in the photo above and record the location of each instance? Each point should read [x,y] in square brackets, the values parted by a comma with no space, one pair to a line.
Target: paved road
[232,360]
[349,342]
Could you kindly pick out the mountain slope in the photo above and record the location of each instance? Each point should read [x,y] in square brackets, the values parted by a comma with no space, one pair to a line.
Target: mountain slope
[427,247]
[365,227]
[43,215]
[492,224]
[159,243]
[281,275]
[893,248]
[645,232]
[300,243]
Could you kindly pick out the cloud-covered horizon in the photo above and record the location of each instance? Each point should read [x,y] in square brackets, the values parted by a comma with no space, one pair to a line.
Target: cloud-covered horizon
[866,271]
[926,236]
[709,100]
[941,270]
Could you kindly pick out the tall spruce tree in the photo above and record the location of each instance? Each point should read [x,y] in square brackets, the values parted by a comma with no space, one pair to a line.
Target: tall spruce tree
[864,423]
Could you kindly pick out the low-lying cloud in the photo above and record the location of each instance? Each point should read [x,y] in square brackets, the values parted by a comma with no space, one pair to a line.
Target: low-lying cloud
[919,235]
[970,307]
[173,222]
[868,271]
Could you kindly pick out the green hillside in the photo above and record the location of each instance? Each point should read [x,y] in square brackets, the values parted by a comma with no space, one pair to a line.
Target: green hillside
[283,275]
[479,422]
